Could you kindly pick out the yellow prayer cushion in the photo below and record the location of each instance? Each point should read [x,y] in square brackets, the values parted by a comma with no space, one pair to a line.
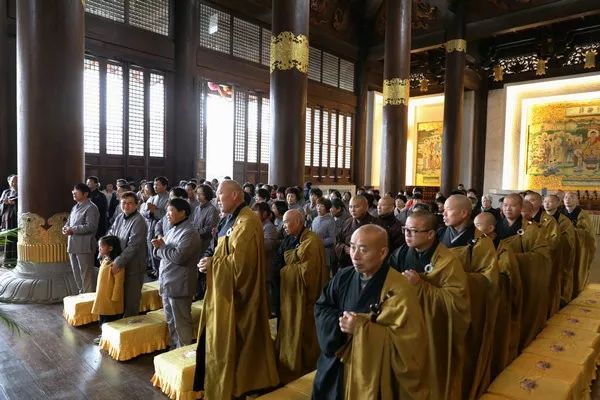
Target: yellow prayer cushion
[581,311]
[153,284]
[569,321]
[593,286]
[78,309]
[490,396]
[174,373]
[588,299]
[517,386]
[580,336]
[285,393]
[150,297]
[303,384]
[129,337]
[572,352]
[160,314]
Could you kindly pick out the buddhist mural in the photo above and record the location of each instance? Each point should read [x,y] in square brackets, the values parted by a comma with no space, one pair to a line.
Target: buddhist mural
[563,145]
[429,153]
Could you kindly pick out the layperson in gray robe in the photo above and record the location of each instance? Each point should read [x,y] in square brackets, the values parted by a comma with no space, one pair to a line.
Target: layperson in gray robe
[80,228]
[163,226]
[178,254]
[8,220]
[131,229]
[156,208]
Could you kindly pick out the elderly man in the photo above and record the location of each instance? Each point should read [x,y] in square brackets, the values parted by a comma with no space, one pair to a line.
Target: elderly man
[156,208]
[388,221]
[80,228]
[486,206]
[8,219]
[300,262]
[567,245]
[131,229]
[443,293]
[526,240]
[370,329]
[459,230]
[586,248]
[178,254]
[359,217]
[235,353]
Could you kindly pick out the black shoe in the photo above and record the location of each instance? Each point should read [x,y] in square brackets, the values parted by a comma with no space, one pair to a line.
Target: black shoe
[153,275]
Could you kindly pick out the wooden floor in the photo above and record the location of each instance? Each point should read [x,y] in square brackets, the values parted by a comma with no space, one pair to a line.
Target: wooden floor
[57,361]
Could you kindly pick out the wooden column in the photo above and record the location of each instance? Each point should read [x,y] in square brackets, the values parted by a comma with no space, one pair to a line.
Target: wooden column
[479,135]
[50,48]
[396,89]
[289,68]
[456,47]
[186,109]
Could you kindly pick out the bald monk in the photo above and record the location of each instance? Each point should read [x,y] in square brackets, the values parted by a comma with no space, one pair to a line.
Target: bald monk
[303,274]
[370,329]
[360,216]
[235,352]
[586,245]
[526,240]
[477,255]
[568,247]
[485,223]
[388,221]
[442,288]
[532,211]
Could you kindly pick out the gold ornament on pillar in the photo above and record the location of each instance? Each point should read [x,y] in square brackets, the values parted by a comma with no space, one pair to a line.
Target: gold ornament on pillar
[396,91]
[590,59]
[498,73]
[289,51]
[459,45]
[423,85]
[540,66]
[42,242]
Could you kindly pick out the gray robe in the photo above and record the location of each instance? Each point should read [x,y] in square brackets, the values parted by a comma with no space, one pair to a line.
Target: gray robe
[83,220]
[205,218]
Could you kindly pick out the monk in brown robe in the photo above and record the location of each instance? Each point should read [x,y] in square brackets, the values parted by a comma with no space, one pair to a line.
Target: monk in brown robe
[358,208]
[586,244]
[235,353]
[302,278]
[568,247]
[443,292]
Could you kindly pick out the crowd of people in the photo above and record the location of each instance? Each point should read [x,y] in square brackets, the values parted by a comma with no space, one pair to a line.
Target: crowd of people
[385,296]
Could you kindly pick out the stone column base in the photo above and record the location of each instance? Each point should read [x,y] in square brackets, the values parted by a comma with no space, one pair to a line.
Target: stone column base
[42,283]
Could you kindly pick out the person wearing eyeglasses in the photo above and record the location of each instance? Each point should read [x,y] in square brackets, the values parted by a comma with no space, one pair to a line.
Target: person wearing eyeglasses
[443,293]
[370,329]
[478,257]
[526,240]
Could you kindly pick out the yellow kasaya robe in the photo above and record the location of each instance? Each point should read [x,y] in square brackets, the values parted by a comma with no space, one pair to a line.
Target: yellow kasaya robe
[568,257]
[444,298]
[240,354]
[387,359]
[480,262]
[507,328]
[109,290]
[551,232]
[302,278]
[535,268]
[586,249]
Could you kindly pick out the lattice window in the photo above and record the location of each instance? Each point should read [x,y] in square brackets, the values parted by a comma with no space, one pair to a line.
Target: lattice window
[522,63]
[246,40]
[202,124]
[308,138]
[348,149]
[157,115]
[265,131]
[333,140]
[346,75]
[325,139]
[151,15]
[91,106]
[578,55]
[239,127]
[330,69]
[314,64]
[215,29]
[114,109]
[111,9]
[266,47]
[316,138]
[340,141]
[252,129]
[136,112]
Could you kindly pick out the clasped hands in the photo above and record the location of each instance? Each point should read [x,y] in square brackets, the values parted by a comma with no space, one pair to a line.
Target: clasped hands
[412,276]
[348,322]
[204,264]
[67,231]
[156,243]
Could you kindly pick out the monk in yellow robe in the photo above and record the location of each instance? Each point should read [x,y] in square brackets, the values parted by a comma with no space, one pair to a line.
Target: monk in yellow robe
[586,244]
[303,274]
[442,288]
[235,353]
[568,247]
[371,329]
[527,242]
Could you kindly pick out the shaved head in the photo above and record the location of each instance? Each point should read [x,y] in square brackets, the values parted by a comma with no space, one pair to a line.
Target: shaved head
[514,197]
[293,221]
[231,185]
[358,206]
[368,249]
[457,211]
[551,203]
[485,222]
[527,210]
[535,199]
[230,195]
[376,233]
[293,215]
[571,200]
[385,205]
